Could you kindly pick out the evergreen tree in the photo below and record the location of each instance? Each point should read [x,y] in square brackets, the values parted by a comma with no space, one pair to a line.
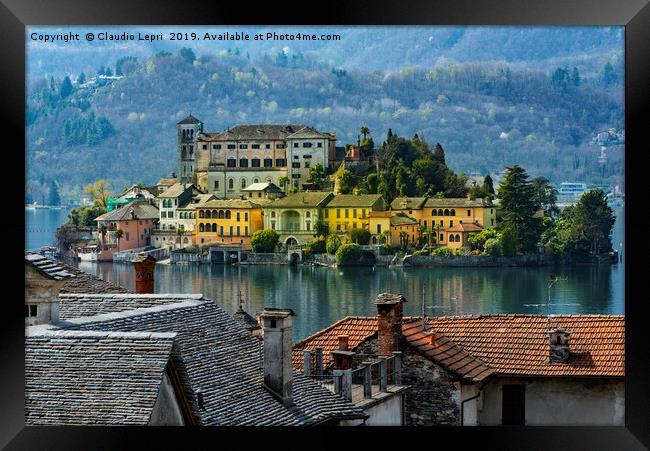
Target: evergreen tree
[609,75]
[439,154]
[108,72]
[545,196]
[575,77]
[517,201]
[187,54]
[593,219]
[66,87]
[488,184]
[81,79]
[54,197]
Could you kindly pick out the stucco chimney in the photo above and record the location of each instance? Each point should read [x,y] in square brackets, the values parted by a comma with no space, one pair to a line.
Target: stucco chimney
[558,340]
[343,342]
[389,322]
[277,325]
[144,271]
[43,281]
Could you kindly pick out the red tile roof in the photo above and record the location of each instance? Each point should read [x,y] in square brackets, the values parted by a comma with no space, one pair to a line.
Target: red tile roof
[475,347]
[464,227]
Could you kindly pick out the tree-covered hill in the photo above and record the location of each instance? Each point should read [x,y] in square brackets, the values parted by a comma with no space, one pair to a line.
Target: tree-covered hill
[486,115]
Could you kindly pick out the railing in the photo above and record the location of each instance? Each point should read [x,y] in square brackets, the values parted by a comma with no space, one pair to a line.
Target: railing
[374,375]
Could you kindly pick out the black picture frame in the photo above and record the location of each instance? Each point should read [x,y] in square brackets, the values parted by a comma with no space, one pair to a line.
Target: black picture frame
[15,15]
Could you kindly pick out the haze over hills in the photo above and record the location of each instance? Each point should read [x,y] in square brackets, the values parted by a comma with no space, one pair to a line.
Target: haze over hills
[490,95]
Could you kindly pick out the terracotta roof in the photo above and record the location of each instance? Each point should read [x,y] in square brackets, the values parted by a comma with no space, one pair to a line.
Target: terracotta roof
[464,227]
[307,133]
[457,202]
[517,344]
[354,200]
[407,203]
[229,203]
[475,347]
[357,328]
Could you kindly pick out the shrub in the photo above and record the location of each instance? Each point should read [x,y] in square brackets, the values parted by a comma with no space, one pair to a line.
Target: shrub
[492,247]
[360,236]
[348,254]
[443,251]
[264,241]
[509,242]
[478,240]
[421,252]
[333,243]
[316,246]
[190,249]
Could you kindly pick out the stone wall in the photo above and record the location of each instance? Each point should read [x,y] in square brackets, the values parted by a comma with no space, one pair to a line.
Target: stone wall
[266,259]
[519,260]
[432,399]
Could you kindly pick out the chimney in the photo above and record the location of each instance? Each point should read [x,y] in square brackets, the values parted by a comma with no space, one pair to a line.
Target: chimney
[558,340]
[144,269]
[389,322]
[432,338]
[341,357]
[277,353]
[343,342]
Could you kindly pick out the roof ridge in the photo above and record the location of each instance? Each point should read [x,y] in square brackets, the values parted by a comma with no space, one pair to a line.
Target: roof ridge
[330,327]
[74,333]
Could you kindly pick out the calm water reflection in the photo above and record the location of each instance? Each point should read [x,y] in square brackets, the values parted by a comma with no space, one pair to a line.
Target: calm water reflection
[320,296]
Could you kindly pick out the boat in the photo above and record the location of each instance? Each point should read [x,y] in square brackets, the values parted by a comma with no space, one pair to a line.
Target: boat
[30,206]
[88,253]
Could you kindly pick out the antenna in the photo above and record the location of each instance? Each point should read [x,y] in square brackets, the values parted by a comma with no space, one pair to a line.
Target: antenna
[424,323]
[552,280]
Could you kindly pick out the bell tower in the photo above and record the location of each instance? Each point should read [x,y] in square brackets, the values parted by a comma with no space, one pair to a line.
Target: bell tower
[189,130]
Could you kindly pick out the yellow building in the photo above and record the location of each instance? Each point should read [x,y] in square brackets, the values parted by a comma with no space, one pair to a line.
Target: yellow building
[379,226]
[410,206]
[351,211]
[231,221]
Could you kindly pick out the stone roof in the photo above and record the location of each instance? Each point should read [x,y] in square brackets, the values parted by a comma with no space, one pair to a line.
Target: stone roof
[354,200]
[229,203]
[245,319]
[81,305]
[216,355]
[476,346]
[167,181]
[47,267]
[457,202]
[177,189]
[196,200]
[189,120]
[307,199]
[140,210]
[264,186]
[308,133]
[93,378]
[402,219]
[254,132]
[407,203]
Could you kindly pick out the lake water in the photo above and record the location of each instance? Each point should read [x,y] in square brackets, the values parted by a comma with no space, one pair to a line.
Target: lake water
[319,295]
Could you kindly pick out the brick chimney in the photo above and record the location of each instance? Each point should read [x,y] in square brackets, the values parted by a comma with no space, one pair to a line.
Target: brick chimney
[389,322]
[144,269]
[277,353]
[341,357]
[558,340]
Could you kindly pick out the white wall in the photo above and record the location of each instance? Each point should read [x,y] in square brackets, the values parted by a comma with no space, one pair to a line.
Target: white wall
[386,413]
[560,402]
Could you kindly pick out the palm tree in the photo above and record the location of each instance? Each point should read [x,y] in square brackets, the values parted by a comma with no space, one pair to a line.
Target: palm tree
[364,131]
[385,236]
[118,234]
[179,231]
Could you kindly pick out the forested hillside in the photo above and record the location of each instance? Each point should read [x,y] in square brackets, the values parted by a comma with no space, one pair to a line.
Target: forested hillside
[486,115]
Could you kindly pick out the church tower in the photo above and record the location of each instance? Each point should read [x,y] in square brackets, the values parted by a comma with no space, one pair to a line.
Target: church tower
[188,133]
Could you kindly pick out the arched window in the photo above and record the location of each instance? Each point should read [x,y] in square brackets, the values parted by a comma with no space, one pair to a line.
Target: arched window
[440,212]
[231,184]
[227,214]
[273,214]
[221,214]
[308,214]
[201,228]
[453,212]
[433,212]
[457,238]
[256,180]
[268,179]
[201,214]
[243,162]
[214,214]
[451,238]
[214,227]
[446,212]
[185,240]
[207,214]
[243,183]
